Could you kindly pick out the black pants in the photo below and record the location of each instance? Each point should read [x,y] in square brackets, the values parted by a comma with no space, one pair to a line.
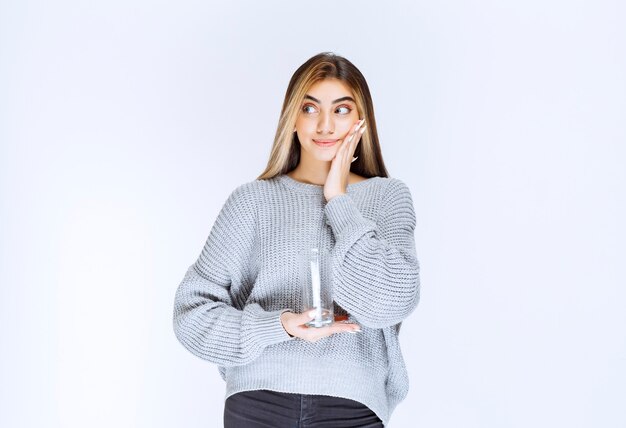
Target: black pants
[271,409]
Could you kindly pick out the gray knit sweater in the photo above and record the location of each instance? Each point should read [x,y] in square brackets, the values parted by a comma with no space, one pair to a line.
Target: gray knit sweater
[227,307]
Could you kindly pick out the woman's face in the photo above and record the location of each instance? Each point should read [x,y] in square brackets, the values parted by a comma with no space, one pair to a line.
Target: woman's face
[326,116]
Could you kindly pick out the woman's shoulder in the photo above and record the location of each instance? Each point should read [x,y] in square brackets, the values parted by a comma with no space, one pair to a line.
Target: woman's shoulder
[390,185]
[249,192]
[243,196]
[396,183]
[393,192]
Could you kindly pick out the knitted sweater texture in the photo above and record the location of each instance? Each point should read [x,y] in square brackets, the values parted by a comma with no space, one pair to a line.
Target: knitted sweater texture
[227,307]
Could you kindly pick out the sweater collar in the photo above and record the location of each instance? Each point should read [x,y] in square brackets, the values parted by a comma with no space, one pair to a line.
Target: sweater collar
[315,189]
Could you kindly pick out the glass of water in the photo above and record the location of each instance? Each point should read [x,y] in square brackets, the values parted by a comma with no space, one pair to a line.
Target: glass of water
[316,284]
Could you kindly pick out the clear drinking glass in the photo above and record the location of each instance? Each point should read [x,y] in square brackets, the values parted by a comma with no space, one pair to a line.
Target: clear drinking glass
[316,284]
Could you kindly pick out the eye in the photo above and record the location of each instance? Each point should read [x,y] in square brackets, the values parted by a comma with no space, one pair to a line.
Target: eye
[308,106]
[346,109]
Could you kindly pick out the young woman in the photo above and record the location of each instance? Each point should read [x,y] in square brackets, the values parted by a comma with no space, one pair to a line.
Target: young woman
[239,305]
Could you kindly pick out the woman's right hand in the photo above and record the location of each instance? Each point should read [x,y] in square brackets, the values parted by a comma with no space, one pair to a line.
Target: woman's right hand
[293,324]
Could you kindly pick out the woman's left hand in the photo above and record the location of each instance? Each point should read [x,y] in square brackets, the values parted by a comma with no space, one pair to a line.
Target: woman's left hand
[337,179]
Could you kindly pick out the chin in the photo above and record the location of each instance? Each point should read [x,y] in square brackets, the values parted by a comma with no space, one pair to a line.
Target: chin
[321,155]
[326,157]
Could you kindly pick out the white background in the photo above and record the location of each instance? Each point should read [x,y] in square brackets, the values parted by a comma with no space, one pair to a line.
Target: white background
[124,125]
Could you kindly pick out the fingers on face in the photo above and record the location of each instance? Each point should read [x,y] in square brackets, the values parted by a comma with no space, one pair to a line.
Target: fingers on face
[354,134]
[353,131]
[347,153]
[359,129]
[352,141]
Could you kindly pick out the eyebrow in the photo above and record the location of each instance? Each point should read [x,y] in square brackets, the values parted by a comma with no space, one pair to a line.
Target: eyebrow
[338,100]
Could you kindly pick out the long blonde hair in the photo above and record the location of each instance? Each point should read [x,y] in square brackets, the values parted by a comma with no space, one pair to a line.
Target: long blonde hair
[285,153]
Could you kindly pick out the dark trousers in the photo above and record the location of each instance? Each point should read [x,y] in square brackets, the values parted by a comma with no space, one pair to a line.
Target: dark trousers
[272,409]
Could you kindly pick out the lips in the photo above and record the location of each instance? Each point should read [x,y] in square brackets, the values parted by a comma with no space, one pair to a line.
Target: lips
[325,143]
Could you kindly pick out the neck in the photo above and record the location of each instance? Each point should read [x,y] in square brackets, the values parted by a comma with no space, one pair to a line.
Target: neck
[311,171]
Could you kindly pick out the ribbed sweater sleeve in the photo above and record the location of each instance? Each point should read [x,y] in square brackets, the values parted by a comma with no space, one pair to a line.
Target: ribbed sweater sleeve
[375,266]
[206,320]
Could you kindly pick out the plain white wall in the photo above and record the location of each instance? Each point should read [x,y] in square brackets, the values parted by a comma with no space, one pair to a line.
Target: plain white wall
[125,124]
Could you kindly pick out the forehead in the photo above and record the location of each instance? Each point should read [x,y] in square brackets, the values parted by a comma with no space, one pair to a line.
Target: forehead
[329,89]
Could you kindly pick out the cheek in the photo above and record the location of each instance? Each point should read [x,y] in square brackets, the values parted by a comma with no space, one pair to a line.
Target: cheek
[346,129]
[304,125]
[349,124]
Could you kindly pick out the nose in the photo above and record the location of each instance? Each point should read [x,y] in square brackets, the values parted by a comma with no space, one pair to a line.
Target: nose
[325,125]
